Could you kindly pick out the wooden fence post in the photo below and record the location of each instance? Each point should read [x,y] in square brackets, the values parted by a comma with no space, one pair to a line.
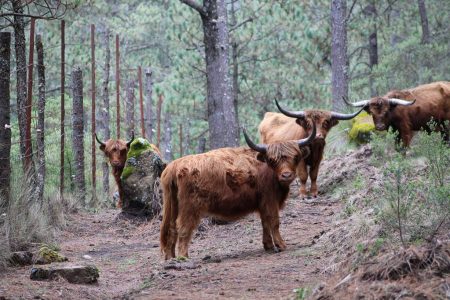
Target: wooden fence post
[118,86]
[63,112]
[94,183]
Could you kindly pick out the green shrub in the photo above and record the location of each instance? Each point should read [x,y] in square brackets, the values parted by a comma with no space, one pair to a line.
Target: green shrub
[414,200]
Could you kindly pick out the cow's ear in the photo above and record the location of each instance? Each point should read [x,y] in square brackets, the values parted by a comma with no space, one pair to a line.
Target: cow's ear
[333,122]
[261,157]
[367,109]
[102,147]
[302,122]
[392,106]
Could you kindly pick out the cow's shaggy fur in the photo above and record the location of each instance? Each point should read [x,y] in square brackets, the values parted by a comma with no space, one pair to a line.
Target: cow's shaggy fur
[432,102]
[227,183]
[276,127]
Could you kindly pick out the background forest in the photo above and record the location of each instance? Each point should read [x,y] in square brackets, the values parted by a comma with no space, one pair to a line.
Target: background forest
[277,50]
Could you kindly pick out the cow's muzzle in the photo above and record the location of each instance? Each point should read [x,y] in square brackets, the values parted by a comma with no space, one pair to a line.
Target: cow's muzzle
[286,176]
[380,127]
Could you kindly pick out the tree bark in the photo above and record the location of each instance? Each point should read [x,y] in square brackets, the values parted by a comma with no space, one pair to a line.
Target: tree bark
[221,112]
[234,57]
[424,22]
[371,12]
[129,108]
[40,176]
[167,142]
[201,145]
[339,58]
[5,119]
[78,134]
[158,115]
[21,72]
[104,116]
[149,119]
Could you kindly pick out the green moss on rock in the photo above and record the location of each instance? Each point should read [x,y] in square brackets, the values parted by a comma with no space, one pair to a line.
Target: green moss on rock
[48,255]
[138,146]
[362,128]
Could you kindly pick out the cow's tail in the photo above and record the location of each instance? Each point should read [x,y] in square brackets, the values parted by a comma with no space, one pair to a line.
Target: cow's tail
[168,236]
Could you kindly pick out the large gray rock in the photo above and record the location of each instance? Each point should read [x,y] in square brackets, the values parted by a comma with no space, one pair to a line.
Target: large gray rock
[72,273]
[140,179]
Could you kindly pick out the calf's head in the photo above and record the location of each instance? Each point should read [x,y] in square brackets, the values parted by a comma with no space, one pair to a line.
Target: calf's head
[381,109]
[283,157]
[116,150]
[323,120]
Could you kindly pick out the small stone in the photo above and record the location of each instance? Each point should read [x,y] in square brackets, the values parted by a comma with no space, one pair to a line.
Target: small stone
[21,258]
[207,257]
[251,241]
[88,257]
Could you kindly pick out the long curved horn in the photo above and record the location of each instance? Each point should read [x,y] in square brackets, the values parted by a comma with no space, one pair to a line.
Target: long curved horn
[132,139]
[309,139]
[340,116]
[100,142]
[293,114]
[401,102]
[356,104]
[262,148]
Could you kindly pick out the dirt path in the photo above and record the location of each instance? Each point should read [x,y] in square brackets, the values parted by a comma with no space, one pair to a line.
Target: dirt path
[228,261]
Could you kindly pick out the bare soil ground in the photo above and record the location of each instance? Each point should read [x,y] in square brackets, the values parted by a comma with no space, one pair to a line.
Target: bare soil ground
[228,261]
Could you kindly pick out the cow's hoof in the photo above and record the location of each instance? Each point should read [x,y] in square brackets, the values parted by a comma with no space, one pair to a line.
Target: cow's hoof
[280,247]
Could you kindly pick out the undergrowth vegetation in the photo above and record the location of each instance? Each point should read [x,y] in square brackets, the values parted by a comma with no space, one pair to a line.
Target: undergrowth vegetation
[413,202]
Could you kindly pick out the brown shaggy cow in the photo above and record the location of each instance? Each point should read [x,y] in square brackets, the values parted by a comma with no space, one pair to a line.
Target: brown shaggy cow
[116,151]
[228,183]
[276,127]
[411,110]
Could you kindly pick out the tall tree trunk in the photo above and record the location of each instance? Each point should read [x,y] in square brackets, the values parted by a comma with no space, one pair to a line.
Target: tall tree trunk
[149,119]
[223,129]
[339,58]
[158,121]
[5,119]
[187,137]
[424,22]
[104,116]
[201,145]
[371,11]
[78,134]
[167,142]
[234,57]
[21,72]
[40,176]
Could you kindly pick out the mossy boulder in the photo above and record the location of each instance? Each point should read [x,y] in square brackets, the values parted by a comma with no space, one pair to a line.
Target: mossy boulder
[362,128]
[48,254]
[140,179]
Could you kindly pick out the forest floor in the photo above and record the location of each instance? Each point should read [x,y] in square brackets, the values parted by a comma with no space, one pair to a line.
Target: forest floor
[226,261]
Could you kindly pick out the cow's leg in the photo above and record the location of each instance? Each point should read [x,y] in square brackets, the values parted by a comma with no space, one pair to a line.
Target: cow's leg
[313,173]
[277,239]
[302,173]
[271,224]
[187,222]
